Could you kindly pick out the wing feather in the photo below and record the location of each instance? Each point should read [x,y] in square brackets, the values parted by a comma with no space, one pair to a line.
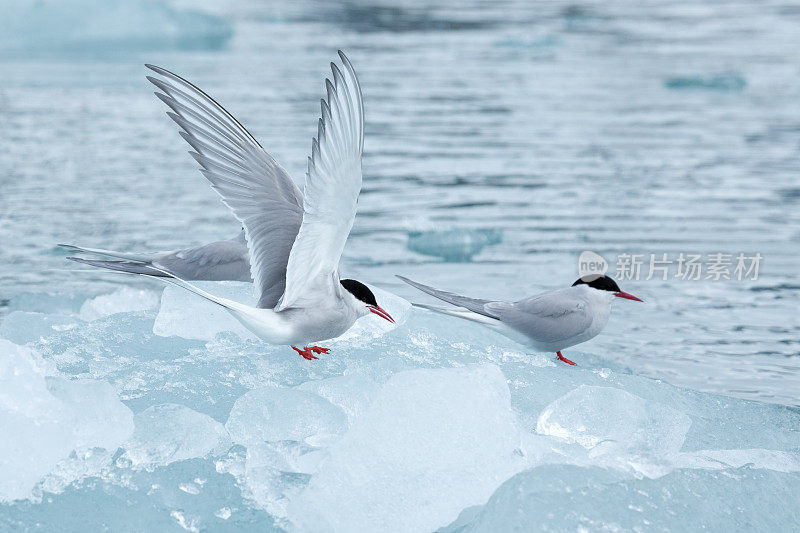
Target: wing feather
[251,183]
[333,182]
[549,317]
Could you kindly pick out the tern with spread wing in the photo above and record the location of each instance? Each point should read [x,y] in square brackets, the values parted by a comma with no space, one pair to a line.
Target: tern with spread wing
[548,322]
[217,261]
[295,239]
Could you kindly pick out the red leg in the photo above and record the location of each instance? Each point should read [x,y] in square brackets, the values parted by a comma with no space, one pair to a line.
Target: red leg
[305,352]
[562,358]
[317,349]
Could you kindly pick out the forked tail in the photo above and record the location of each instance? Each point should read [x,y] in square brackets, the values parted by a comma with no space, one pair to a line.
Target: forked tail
[460,312]
[126,256]
[129,267]
[476,305]
[161,275]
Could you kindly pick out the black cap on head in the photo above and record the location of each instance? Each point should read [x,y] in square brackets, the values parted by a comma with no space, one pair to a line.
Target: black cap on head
[603,283]
[360,291]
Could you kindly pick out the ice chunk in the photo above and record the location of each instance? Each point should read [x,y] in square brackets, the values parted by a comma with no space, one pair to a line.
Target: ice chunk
[453,245]
[352,393]
[724,81]
[432,443]
[169,432]
[44,420]
[81,463]
[285,432]
[779,461]
[22,327]
[103,26]
[273,414]
[571,498]
[124,300]
[609,420]
[65,303]
[186,315]
[121,499]
[98,418]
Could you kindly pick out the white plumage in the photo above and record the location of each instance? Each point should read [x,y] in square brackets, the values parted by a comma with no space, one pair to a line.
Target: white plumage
[295,240]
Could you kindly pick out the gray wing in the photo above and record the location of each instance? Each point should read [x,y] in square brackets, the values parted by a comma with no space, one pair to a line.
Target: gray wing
[217,261]
[549,317]
[251,183]
[475,305]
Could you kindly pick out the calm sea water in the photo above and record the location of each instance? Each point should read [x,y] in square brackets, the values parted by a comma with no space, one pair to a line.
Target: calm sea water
[617,127]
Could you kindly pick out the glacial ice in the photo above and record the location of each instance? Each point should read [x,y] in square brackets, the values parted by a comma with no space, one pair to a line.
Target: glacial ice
[599,418]
[123,300]
[168,433]
[22,327]
[51,26]
[432,443]
[570,498]
[272,414]
[453,245]
[44,419]
[183,314]
[432,424]
[724,81]
[351,393]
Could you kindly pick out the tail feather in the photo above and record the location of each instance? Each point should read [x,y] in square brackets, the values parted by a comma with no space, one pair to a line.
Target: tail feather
[131,267]
[140,258]
[461,312]
[475,305]
[164,277]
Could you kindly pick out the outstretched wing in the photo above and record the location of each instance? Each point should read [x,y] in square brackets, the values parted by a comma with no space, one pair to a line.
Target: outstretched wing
[331,192]
[251,183]
[550,317]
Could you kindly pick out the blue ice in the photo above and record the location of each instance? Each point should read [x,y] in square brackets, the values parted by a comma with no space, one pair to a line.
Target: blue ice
[152,403]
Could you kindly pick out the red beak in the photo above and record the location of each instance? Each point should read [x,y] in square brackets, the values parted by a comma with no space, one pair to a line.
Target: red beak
[627,296]
[381,313]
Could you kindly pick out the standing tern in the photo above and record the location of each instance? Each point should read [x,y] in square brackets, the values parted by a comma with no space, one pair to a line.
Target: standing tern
[295,240]
[216,261]
[549,322]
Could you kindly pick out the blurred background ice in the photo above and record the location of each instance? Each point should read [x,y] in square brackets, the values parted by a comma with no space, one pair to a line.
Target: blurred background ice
[503,139]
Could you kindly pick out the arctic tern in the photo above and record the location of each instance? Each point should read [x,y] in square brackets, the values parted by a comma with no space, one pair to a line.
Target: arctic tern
[548,322]
[295,240]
